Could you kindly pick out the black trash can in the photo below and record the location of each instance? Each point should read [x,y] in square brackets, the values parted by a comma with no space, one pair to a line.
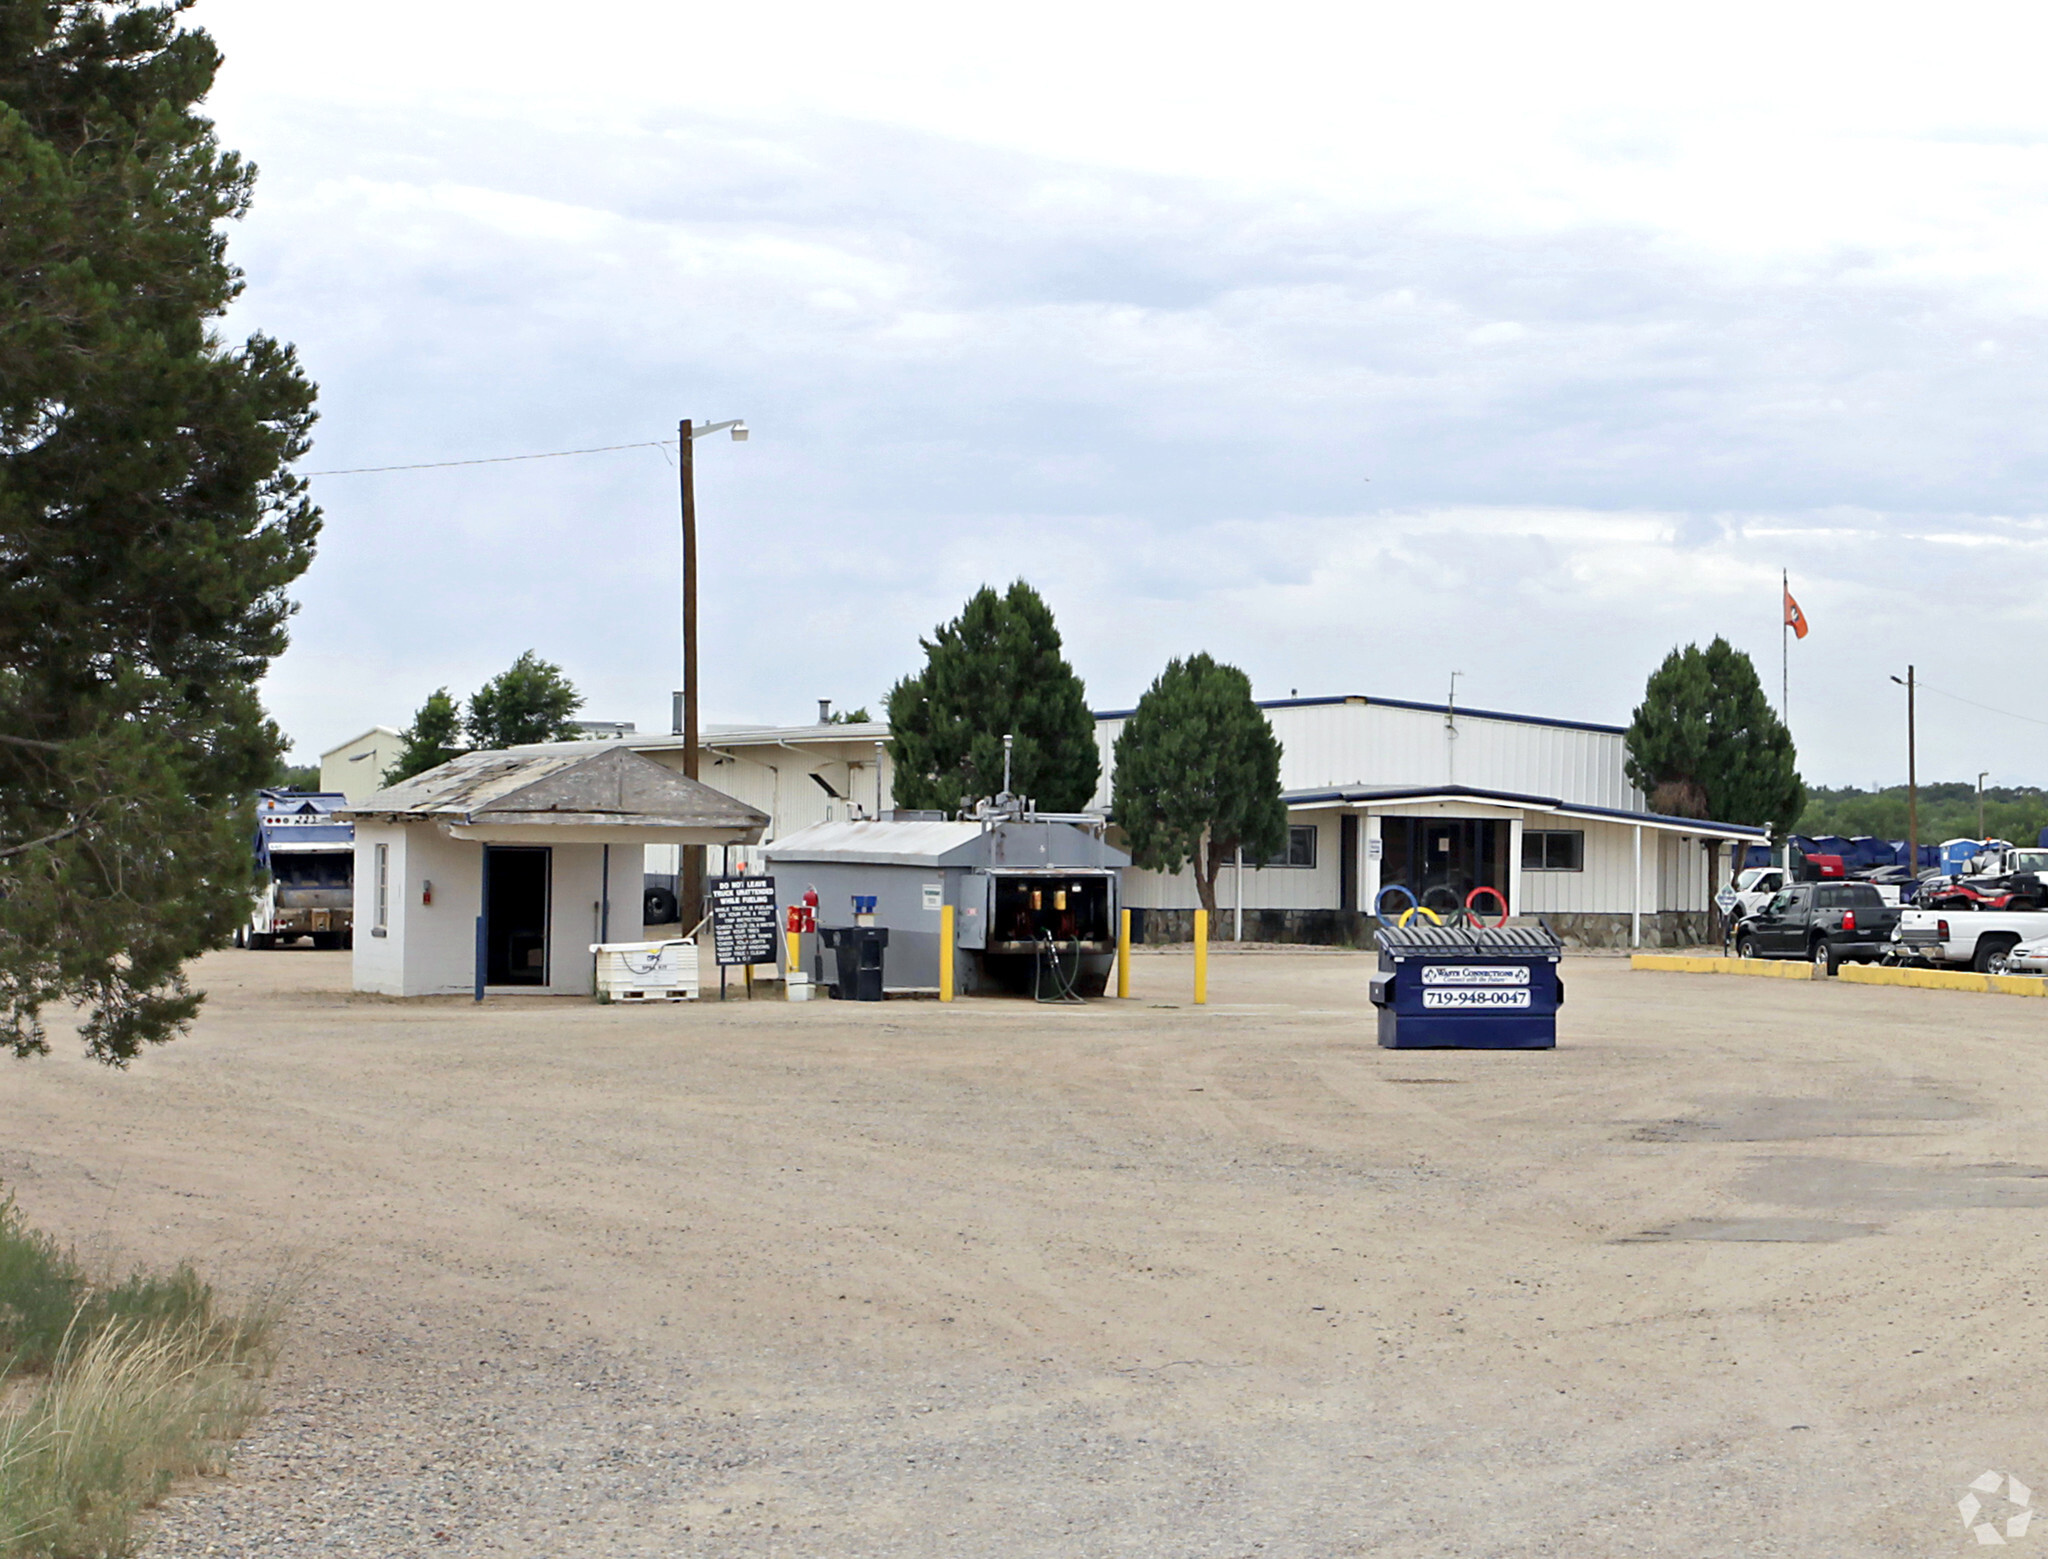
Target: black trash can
[858,954]
[1468,988]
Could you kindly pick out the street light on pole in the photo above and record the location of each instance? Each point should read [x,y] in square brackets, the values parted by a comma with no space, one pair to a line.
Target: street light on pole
[1912,781]
[690,868]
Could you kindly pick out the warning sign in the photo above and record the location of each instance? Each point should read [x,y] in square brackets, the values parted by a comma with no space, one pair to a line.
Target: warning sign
[743,920]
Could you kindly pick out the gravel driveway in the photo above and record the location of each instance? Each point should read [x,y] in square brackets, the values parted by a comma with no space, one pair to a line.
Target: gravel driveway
[1743,1268]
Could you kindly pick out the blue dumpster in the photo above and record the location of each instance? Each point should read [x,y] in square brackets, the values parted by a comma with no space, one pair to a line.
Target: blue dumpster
[1468,987]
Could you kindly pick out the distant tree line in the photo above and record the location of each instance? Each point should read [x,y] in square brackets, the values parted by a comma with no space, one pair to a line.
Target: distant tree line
[1948,810]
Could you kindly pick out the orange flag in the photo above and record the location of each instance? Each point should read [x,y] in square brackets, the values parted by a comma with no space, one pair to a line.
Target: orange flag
[1794,618]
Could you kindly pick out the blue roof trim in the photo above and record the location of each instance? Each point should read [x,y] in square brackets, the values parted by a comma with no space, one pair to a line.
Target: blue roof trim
[1748,829]
[1297,798]
[1402,703]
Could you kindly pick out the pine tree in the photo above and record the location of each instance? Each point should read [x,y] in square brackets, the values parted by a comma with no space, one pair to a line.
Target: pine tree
[995,670]
[149,524]
[1706,743]
[1197,775]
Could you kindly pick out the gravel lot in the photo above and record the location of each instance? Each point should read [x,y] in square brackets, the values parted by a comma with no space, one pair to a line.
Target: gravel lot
[1744,1268]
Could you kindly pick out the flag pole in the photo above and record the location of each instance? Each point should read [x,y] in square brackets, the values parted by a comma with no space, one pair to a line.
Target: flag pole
[1785,680]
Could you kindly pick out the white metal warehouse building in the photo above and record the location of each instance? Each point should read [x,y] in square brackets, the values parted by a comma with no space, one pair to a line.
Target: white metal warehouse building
[1383,791]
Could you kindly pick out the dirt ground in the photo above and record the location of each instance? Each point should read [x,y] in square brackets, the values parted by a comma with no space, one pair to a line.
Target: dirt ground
[1742,1268]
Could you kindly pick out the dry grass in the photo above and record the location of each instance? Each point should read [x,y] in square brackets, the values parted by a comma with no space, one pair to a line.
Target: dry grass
[151,1380]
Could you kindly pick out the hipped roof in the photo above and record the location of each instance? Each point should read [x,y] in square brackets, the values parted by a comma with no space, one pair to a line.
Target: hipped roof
[613,788]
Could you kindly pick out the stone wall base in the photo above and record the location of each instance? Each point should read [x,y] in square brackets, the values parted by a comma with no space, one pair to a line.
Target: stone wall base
[1345,928]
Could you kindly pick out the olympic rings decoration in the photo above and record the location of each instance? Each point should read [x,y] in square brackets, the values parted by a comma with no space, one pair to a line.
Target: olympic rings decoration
[1413,910]
[1498,897]
[1379,903]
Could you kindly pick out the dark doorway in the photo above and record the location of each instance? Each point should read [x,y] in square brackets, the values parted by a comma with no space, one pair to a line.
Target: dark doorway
[516,914]
[1441,860]
[1347,861]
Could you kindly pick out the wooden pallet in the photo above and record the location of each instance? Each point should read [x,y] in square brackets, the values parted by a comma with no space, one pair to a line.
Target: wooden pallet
[663,993]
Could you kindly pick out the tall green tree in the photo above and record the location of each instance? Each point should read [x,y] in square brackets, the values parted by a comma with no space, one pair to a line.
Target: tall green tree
[1197,775]
[1706,743]
[434,737]
[529,701]
[995,670]
[149,524]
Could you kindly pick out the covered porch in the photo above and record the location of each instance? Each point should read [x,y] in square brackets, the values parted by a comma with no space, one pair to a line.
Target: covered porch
[1599,877]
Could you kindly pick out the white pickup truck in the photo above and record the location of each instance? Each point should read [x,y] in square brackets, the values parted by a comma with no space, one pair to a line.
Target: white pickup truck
[1978,939]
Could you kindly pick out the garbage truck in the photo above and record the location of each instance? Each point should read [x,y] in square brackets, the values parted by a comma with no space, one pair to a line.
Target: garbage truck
[309,856]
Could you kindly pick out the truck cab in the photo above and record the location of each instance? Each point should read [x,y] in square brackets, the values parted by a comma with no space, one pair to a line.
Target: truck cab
[308,855]
[1829,923]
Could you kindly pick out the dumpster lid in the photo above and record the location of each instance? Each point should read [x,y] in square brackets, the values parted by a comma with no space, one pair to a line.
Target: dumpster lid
[1481,941]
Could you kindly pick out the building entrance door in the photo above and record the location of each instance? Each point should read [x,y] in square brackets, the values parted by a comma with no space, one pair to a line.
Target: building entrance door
[516,881]
[1441,860]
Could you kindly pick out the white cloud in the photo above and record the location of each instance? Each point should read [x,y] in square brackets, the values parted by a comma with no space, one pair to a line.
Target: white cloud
[1354,345]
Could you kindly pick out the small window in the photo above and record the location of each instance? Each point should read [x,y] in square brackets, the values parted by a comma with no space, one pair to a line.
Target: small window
[1553,850]
[1301,846]
[383,886]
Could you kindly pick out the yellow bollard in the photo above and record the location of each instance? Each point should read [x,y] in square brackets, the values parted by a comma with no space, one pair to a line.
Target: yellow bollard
[796,952]
[945,952]
[1123,953]
[1201,957]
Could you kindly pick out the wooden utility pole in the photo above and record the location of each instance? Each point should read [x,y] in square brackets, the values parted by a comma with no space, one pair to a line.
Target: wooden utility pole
[1912,783]
[690,872]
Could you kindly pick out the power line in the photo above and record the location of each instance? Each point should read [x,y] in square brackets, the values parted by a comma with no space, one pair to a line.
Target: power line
[496,460]
[1988,709]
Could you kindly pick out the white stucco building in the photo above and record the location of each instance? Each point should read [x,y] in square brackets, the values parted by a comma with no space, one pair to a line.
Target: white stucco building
[498,870]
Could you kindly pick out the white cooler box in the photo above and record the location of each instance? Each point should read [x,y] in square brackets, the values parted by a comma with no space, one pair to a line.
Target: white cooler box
[646,971]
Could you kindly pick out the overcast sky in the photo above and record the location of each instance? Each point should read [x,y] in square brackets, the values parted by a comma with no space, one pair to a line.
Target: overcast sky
[1353,344]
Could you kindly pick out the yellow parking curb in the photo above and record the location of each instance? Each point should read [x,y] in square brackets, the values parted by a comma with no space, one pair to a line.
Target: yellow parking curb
[1946,980]
[1687,963]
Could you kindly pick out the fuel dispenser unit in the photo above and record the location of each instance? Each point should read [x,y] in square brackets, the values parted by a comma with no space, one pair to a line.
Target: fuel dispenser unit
[1034,898]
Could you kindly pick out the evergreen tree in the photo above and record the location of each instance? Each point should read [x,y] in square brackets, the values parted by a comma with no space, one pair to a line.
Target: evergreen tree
[995,670]
[149,524]
[434,737]
[1197,775]
[529,701]
[1706,743]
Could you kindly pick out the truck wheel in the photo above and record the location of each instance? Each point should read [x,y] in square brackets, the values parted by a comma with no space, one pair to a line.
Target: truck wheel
[241,936]
[1824,958]
[1992,953]
[1745,946]
[2022,906]
[260,941]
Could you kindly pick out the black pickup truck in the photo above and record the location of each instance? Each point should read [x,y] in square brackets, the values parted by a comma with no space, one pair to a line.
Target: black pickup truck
[1828,923]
